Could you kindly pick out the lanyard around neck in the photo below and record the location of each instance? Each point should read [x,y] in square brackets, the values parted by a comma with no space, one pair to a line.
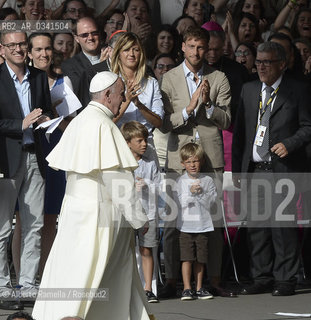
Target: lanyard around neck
[263,110]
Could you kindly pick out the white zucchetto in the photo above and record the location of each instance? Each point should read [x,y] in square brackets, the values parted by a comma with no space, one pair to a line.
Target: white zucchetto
[102,81]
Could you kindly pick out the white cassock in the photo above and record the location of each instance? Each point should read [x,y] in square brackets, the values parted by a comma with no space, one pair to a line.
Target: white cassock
[94,246]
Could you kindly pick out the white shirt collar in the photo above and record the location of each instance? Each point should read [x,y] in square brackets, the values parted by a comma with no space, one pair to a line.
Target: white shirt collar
[275,85]
[13,74]
[189,73]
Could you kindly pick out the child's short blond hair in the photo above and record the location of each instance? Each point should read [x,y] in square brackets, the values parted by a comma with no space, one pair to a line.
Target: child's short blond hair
[191,150]
[133,129]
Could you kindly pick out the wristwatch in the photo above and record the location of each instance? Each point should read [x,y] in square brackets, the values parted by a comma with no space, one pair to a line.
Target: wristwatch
[207,104]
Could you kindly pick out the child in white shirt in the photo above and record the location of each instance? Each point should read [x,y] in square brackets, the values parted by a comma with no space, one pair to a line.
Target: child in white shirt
[196,193]
[148,178]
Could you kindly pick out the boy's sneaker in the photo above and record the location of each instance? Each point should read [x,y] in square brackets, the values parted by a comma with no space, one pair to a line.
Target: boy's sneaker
[151,298]
[203,294]
[187,294]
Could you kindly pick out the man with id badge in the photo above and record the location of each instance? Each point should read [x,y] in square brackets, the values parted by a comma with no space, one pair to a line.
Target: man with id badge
[273,125]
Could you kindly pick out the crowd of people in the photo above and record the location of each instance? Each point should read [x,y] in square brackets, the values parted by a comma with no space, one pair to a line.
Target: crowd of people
[197,88]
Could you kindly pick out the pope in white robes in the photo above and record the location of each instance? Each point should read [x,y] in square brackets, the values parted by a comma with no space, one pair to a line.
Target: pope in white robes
[94,244]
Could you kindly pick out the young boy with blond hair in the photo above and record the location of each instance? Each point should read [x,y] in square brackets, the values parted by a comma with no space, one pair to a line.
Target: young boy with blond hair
[148,178]
[196,193]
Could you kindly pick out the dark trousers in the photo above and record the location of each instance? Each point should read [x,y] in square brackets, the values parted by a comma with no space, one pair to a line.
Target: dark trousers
[274,248]
[274,254]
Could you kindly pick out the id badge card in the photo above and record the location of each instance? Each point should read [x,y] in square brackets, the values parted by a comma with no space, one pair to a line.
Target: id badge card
[260,135]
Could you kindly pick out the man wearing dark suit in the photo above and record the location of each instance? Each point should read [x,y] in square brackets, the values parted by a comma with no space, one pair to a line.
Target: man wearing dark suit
[236,73]
[285,121]
[197,105]
[24,102]
[82,67]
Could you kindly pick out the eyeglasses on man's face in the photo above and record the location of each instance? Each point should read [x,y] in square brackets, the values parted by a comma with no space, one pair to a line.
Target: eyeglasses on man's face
[13,45]
[86,34]
[240,53]
[266,63]
[162,66]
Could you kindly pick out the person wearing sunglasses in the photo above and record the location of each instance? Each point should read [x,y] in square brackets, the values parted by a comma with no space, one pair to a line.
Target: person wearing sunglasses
[163,62]
[83,66]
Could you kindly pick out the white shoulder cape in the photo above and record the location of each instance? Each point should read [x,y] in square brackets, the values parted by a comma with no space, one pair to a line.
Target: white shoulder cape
[92,142]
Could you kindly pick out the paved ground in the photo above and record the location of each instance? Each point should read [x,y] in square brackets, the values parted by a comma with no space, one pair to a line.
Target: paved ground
[258,307]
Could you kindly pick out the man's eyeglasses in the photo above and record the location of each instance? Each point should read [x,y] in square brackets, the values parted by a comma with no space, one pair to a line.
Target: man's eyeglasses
[13,45]
[266,63]
[86,34]
[240,53]
[119,24]
[162,66]
[74,10]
